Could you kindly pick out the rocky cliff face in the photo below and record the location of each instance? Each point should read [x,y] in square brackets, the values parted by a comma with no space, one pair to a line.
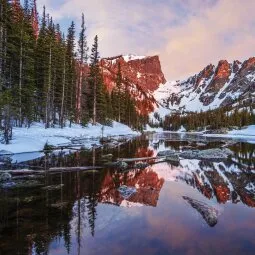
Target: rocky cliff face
[142,75]
[213,87]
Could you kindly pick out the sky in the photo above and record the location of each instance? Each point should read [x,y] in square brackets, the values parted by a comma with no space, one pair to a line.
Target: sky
[186,34]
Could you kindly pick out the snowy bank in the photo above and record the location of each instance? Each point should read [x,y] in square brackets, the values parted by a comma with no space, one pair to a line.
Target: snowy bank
[34,138]
[247,134]
[151,129]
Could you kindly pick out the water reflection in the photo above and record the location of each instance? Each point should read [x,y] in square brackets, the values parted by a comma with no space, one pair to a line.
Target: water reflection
[89,214]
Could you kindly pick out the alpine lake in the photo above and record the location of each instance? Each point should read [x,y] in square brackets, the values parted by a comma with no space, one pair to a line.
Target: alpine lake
[158,206]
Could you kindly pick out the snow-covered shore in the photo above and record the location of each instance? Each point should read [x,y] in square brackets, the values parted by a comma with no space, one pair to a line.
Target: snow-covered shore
[34,138]
[247,134]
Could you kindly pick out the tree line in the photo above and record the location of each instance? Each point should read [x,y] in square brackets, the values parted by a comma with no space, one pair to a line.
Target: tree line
[45,77]
[224,117]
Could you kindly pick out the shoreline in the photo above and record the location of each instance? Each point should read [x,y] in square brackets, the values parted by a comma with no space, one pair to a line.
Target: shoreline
[30,142]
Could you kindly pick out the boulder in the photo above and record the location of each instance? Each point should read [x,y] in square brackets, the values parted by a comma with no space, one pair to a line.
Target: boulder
[166,153]
[209,213]
[173,158]
[4,177]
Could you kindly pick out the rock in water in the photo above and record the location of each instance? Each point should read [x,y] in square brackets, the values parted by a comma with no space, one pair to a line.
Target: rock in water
[173,158]
[141,165]
[209,213]
[53,187]
[60,205]
[4,177]
[166,153]
[126,192]
[121,165]
[210,154]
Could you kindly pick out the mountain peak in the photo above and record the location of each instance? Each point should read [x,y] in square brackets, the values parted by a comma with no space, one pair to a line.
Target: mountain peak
[141,74]
[213,87]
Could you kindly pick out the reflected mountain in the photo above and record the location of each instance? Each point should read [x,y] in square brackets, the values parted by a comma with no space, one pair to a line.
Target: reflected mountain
[146,182]
[226,181]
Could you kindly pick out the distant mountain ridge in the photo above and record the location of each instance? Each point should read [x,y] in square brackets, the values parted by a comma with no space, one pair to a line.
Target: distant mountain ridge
[211,88]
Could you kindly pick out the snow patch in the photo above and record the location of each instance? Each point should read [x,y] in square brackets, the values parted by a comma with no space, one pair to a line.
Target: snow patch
[130,57]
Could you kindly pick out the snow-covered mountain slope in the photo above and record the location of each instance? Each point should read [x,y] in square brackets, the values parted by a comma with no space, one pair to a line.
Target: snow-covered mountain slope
[213,87]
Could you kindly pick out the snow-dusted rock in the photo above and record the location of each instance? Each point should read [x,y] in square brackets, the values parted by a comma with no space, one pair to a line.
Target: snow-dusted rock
[166,153]
[210,154]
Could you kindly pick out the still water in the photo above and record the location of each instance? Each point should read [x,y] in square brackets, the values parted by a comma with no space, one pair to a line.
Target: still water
[191,207]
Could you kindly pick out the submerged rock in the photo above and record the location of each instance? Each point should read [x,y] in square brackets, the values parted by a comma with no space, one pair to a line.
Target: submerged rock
[53,187]
[30,199]
[4,177]
[121,165]
[166,153]
[210,154]
[126,192]
[59,205]
[28,177]
[141,165]
[209,213]
[173,158]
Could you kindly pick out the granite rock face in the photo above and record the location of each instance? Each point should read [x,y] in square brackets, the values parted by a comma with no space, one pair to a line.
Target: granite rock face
[142,76]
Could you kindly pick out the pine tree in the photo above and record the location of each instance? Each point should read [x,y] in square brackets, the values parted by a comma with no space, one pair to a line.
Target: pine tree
[83,60]
[70,73]
[94,78]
